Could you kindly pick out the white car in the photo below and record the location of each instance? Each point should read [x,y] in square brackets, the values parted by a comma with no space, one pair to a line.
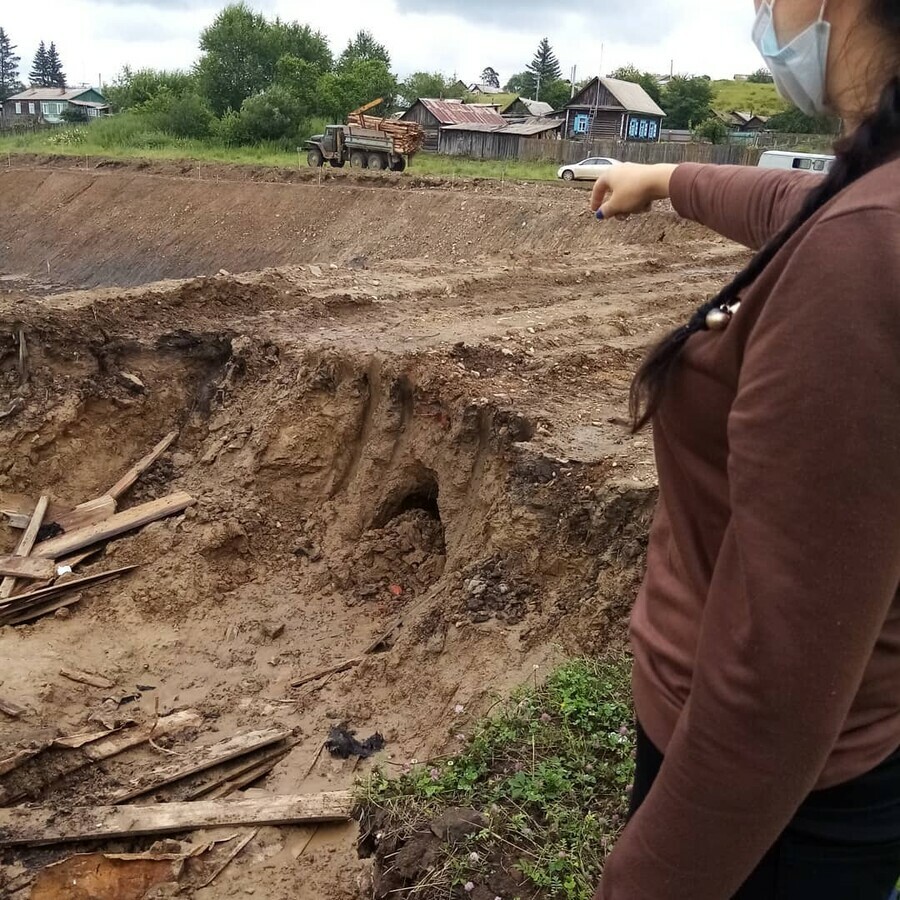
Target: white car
[590,168]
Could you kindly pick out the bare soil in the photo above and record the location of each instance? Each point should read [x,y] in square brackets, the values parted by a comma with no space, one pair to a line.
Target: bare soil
[412,402]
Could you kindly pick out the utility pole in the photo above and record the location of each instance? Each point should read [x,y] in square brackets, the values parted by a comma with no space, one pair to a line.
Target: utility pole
[574,76]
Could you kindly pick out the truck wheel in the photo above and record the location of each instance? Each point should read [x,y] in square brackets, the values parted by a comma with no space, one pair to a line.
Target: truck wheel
[358,160]
[377,161]
[399,164]
[315,158]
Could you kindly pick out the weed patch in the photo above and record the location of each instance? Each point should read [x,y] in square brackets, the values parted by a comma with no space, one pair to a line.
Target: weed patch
[529,808]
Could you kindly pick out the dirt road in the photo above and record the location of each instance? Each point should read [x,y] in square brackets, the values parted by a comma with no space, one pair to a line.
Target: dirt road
[413,387]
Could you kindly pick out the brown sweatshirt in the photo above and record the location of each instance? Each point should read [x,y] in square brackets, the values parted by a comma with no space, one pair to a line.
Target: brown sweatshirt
[767,633]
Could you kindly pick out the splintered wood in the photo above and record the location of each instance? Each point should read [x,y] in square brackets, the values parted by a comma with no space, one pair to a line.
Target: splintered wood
[80,532]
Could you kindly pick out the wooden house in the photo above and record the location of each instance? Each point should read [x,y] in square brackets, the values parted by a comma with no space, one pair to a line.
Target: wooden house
[46,105]
[609,108]
[435,115]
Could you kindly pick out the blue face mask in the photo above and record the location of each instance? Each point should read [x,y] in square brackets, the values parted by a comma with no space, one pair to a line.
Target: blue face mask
[800,67]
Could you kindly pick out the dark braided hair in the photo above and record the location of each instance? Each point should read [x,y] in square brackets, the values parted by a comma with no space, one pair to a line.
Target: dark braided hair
[872,144]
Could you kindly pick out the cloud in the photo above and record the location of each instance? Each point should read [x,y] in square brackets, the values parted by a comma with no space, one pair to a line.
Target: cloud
[613,20]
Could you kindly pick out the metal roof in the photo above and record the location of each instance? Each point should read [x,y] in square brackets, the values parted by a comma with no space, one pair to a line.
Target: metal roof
[450,112]
[537,107]
[43,93]
[632,96]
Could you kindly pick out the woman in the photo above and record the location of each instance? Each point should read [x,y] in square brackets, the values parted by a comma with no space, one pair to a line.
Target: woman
[767,633]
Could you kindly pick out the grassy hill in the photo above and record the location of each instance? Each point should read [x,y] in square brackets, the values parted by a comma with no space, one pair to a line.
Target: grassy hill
[761,99]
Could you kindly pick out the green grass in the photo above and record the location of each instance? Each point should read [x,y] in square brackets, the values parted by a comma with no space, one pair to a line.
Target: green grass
[549,772]
[761,99]
[117,139]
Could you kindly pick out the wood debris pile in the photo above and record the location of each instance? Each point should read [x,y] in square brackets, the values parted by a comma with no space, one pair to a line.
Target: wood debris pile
[38,578]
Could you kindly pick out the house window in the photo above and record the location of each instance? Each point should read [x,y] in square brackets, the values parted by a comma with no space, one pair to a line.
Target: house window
[645,127]
[581,123]
[633,125]
[31,108]
[18,108]
[653,130]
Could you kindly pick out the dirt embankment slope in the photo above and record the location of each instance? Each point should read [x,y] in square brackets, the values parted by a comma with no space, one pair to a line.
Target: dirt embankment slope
[125,224]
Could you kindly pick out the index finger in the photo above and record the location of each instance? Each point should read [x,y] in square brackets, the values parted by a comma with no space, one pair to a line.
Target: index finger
[599,192]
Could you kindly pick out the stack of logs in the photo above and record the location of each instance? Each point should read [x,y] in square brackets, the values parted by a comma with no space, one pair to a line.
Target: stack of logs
[38,577]
[409,137]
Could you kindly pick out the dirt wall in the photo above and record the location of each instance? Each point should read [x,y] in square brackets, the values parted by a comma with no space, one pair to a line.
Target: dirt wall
[124,224]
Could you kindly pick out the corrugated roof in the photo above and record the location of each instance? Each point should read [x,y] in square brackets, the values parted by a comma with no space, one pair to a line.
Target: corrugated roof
[529,127]
[632,96]
[50,94]
[448,112]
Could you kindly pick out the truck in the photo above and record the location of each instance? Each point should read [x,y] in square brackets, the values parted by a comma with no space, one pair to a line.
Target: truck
[366,142]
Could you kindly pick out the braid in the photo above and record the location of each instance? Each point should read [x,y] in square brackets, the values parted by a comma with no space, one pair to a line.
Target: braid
[872,144]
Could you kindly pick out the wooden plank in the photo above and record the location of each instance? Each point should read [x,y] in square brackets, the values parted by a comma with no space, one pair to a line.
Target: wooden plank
[86,514]
[138,469]
[233,776]
[97,681]
[246,778]
[42,825]
[22,602]
[25,567]
[13,710]
[133,737]
[229,859]
[114,526]
[26,543]
[215,755]
[19,510]
[98,750]
[30,613]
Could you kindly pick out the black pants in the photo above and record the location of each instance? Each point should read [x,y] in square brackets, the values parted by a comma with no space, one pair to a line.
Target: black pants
[843,844]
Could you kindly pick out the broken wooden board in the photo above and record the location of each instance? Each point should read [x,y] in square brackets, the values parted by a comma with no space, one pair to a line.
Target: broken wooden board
[109,745]
[87,678]
[26,543]
[19,509]
[25,607]
[101,876]
[26,567]
[114,526]
[135,472]
[248,774]
[214,755]
[42,825]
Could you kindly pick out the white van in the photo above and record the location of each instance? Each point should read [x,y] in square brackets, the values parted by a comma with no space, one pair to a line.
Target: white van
[788,159]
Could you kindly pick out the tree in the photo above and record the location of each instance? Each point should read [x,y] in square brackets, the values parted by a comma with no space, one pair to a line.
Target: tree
[40,68]
[55,74]
[271,114]
[687,101]
[713,130]
[490,78]
[364,47]
[793,121]
[522,84]
[544,67]
[355,85]
[645,79]
[241,50]
[761,76]
[131,88]
[557,93]
[424,84]
[9,67]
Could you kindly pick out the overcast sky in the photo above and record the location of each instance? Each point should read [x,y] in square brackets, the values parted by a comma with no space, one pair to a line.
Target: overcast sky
[98,37]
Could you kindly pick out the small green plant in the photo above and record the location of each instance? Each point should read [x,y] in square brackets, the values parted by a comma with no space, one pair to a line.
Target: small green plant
[549,772]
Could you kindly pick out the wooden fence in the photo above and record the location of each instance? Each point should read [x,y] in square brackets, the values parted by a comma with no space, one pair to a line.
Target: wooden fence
[563,152]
